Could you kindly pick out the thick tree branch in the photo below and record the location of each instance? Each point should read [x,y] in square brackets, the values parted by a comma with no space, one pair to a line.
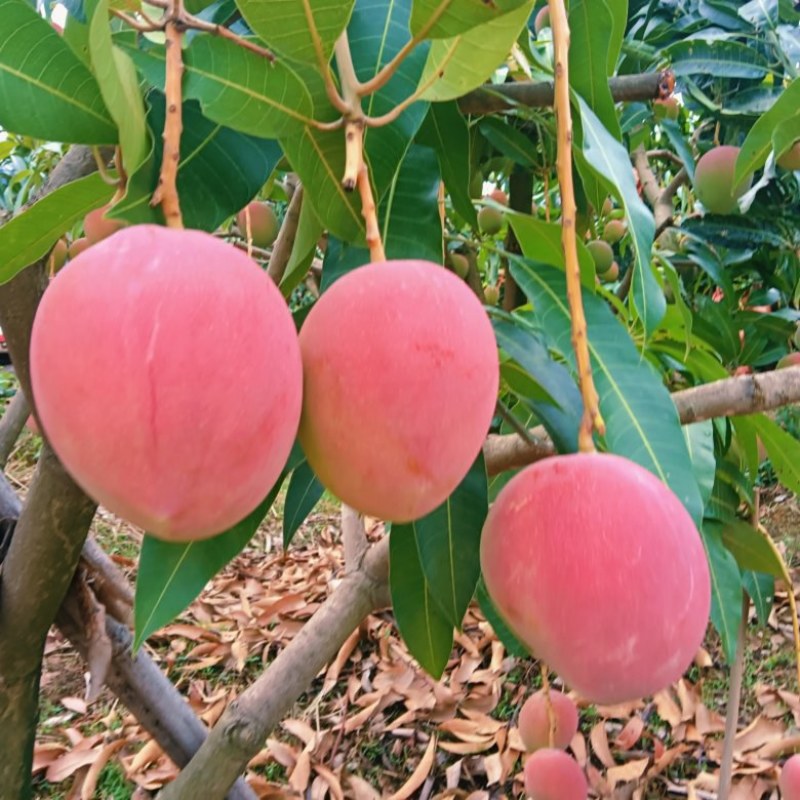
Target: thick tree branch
[36,575]
[244,726]
[11,425]
[730,397]
[143,689]
[47,540]
[540,94]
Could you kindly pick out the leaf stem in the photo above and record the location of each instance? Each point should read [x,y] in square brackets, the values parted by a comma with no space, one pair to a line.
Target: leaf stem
[166,192]
[592,420]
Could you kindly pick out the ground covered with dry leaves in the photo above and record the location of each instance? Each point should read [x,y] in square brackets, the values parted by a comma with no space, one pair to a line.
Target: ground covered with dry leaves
[373,725]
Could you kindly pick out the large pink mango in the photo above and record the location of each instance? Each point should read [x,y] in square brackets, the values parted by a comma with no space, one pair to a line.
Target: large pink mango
[401,375]
[599,569]
[167,376]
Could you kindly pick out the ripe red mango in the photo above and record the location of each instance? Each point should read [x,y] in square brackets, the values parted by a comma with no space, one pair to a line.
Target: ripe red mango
[78,246]
[97,226]
[388,352]
[599,569]
[791,158]
[552,775]
[789,360]
[175,399]
[534,721]
[264,225]
[789,781]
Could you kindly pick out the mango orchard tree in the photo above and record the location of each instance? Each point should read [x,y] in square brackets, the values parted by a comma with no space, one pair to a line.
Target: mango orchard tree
[425,244]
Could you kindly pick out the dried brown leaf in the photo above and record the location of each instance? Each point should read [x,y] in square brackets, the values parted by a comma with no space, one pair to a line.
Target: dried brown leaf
[419,775]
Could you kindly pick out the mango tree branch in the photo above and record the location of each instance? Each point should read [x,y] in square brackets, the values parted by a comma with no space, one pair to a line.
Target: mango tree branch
[37,572]
[491,99]
[44,549]
[592,420]
[11,425]
[729,397]
[240,732]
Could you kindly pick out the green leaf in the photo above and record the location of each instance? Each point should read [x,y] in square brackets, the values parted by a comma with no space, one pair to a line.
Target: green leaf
[726,590]
[504,634]
[309,231]
[509,141]
[783,451]
[171,575]
[642,423]
[611,162]
[30,235]
[462,63]
[119,85]
[46,91]
[786,135]
[761,589]
[700,443]
[541,241]
[235,164]
[448,540]
[758,144]
[678,141]
[442,19]
[236,87]
[285,24]
[303,494]
[720,58]
[409,212]
[750,548]
[425,630]
[591,25]
[735,232]
[318,158]
[561,408]
[619,16]
[446,131]
[377,31]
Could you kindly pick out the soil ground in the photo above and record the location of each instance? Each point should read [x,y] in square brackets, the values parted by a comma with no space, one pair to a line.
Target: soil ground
[373,725]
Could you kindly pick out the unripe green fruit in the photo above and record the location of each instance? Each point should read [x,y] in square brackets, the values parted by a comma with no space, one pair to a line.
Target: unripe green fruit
[264,225]
[789,781]
[78,246]
[668,108]
[602,254]
[534,721]
[490,220]
[124,393]
[389,350]
[614,231]
[713,180]
[613,596]
[553,775]
[492,295]
[459,264]
[789,360]
[542,20]
[58,256]
[611,274]
[97,227]
[791,158]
